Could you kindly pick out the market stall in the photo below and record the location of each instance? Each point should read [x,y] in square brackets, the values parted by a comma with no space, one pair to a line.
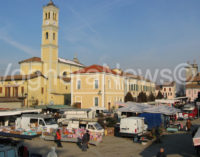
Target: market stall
[72,135]
[10,131]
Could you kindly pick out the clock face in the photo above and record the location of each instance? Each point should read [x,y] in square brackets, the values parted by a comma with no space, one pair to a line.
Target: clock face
[47,22]
[54,23]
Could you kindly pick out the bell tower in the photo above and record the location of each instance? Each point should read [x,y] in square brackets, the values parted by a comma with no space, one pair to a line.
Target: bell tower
[49,45]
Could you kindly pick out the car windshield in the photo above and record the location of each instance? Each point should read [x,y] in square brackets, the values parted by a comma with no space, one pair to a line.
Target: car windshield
[187,111]
[49,121]
[98,126]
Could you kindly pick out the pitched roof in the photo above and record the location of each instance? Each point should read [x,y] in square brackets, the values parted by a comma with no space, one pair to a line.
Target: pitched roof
[67,61]
[61,60]
[167,84]
[33,59]
[21,77]
[95,69]
[192,85]
[137,77]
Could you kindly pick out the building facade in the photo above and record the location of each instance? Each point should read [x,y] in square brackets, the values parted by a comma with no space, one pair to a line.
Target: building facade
[102,87]
[168,90]
[137,84]
[192,81]
[97,86]
[44,80]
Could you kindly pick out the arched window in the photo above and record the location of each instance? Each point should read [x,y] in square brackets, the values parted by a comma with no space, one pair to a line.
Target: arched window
[47,35]
[54,36]
[49,15]
[45,16]
[53,16]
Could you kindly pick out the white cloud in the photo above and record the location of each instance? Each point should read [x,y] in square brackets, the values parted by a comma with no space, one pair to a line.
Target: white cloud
[6,38]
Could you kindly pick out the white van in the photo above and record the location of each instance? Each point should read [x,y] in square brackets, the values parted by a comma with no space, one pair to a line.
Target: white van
[94,127]
[39,121]
[131,126]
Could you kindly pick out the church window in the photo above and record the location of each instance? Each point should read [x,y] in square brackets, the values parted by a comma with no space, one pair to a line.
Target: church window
[49,15]
[22,90]
[54,36]
[42,90]
[0,89]
[45,16]
[47,35]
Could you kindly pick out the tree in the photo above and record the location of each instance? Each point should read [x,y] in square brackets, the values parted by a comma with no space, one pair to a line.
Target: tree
[181,91]
[142,97]
[151,97]
[128,97]
[159,95]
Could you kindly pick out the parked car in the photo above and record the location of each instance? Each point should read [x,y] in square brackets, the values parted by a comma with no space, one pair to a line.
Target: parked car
[190,111]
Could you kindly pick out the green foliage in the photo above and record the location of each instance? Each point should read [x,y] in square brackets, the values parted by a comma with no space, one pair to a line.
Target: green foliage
[151,97]
[159,95]
[128,97]
[142,97]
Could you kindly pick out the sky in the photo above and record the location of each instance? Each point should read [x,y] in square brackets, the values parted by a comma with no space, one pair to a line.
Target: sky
[128,34]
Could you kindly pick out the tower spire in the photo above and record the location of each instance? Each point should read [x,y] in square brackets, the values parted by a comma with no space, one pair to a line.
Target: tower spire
[50,3]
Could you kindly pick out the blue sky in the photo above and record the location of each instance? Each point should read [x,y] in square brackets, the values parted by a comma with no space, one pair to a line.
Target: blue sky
[133,33]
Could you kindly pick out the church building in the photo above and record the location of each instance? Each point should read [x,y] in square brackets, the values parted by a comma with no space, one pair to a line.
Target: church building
[46,79]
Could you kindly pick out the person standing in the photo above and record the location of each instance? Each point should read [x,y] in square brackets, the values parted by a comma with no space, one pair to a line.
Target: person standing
[58,138]
[85,141]
[161,153]
[157,133]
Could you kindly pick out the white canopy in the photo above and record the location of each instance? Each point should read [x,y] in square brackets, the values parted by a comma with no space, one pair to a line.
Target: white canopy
[140,108]
[18,112]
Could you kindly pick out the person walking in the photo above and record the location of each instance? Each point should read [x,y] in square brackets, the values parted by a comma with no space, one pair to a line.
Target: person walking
[188,125]
[85,141]
[161,153]
[58,138]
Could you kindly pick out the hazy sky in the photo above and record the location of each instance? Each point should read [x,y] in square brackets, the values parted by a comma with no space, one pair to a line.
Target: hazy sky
[133,33]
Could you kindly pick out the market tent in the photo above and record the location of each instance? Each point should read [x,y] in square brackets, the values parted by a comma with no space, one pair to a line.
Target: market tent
[141,108]
[166,110]
[133,107]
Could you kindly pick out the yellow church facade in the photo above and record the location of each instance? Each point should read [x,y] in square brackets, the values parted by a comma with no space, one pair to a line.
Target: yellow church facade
[46,79]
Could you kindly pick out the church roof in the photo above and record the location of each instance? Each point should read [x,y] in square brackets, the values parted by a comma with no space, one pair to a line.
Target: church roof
[61,60]
[33,59]
[67,61]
